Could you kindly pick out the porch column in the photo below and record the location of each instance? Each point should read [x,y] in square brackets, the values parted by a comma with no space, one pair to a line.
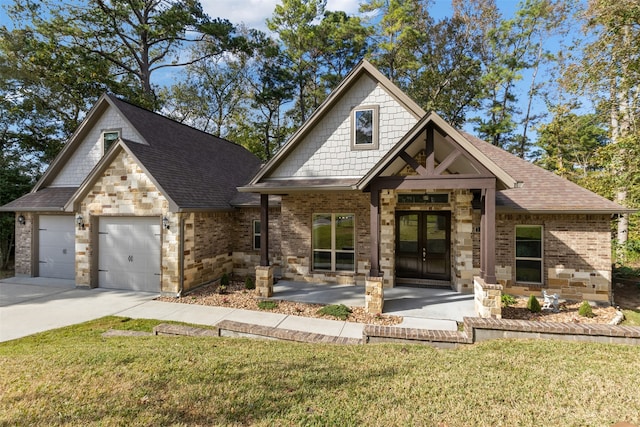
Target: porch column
[488,236]
[375,233]
[264,230]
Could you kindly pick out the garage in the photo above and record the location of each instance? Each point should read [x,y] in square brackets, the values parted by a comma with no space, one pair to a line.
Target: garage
[129,253]
[56,247]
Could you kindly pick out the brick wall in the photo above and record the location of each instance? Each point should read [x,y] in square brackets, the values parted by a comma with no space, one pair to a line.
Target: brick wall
[25,242]
[245,258]
[576,255]
[296,221]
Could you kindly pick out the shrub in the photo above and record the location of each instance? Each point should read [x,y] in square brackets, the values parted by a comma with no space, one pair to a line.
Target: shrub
[248,283]
[339,311]
[224,280]
[508,300]
[267,305]
[585,309]
[533,305]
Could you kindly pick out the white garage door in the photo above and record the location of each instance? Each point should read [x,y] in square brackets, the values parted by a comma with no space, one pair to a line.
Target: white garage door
[129,253]
[57,247]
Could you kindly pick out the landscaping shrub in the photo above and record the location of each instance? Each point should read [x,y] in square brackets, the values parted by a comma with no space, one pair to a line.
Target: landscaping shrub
[585,309]
[248,283]
[508,300]
[267,305]
[533,305]
[339,311]
[224,283]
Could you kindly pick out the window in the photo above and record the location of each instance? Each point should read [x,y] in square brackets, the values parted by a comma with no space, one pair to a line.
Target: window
[108,138]
[529,253]
[256,234]
[423,199]
[333,238]
[364,128]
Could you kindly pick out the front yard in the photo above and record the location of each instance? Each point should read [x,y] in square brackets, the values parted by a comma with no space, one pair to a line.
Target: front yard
[73,376]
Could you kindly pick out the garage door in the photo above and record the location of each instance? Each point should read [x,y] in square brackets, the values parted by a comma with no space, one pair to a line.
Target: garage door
[56,247]
[129,253]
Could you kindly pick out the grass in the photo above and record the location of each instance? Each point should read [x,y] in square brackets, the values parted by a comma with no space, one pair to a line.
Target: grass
[631,318]
[73,376]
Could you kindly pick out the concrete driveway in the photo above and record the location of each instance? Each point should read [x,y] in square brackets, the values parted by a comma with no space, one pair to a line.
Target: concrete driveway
[31,305]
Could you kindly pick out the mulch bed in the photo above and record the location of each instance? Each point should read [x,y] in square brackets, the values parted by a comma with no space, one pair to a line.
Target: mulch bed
[626,295]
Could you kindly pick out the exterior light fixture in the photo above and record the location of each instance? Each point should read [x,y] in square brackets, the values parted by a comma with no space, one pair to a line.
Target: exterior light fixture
[80,222]
[165,222]
[21,220]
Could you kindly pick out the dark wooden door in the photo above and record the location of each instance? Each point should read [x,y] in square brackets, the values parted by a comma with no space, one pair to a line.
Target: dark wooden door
[423,242]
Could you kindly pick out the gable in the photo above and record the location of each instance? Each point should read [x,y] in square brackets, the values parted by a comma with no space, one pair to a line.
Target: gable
[326,150]
[89,150]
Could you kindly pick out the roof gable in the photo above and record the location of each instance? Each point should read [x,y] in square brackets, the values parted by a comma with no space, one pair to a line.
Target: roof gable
[447,151]
[323,137]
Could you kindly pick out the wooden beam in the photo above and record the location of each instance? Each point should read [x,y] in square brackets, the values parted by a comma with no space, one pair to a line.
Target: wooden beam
[430,150]
[374,226]
[435,182]
[413,163]
[490,235]
[264,230]
[447,162]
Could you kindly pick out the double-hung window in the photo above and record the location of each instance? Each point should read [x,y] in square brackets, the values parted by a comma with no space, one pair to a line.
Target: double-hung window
[529,253]
[333,238]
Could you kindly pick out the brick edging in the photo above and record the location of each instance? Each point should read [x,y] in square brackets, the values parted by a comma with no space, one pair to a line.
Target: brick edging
[281,334]
[414,334]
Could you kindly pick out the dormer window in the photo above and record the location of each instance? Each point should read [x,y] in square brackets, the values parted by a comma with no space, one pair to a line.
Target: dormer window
[364,128]
[109,137]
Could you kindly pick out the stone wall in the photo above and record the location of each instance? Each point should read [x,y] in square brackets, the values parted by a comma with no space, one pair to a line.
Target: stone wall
[124,190]
[208,243]
[576,255]
[25,244]
[245,258]
[296,222]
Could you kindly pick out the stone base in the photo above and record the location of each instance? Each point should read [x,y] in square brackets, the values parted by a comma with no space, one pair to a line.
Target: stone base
[488,299]
[374,295]
[264,281]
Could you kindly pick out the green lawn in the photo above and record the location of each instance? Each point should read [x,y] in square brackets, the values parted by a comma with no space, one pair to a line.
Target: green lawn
[73,376]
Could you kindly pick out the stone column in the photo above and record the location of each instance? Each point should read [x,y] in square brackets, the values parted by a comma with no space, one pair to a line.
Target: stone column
[488,298]
[374,295]
[264,281]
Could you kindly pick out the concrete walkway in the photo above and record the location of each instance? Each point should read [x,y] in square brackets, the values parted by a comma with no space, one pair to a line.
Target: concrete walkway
[32,305]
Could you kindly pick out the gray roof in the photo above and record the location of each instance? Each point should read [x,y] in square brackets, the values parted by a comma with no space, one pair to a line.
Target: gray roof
[540,190]
[47,199]
[194,169]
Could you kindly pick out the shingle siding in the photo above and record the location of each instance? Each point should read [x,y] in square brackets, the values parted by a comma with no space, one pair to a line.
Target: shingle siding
[89,152]
[326,150]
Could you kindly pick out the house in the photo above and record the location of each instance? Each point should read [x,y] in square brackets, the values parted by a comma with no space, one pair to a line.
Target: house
[370,188]
[136,201]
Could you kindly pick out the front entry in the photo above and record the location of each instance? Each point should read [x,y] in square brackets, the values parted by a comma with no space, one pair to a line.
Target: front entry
[423,241]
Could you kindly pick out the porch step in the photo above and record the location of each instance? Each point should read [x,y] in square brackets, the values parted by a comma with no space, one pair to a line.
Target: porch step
[423,283]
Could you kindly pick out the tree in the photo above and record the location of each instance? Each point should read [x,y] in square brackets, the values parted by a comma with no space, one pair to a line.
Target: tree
[135,37]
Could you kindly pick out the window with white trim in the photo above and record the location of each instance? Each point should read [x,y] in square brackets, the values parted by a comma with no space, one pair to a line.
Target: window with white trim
[364,128]
[109,137]
[256,234]
[529,254]
[333,240]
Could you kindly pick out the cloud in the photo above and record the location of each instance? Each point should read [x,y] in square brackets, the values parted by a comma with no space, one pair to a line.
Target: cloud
[253,13]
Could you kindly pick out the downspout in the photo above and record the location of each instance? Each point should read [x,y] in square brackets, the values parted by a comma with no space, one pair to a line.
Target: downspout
[181,258]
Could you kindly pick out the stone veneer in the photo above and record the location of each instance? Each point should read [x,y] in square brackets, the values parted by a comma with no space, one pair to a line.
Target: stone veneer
[125,190]
[297,216]
[25,241]
[245,258]
[576,255]
[463,234]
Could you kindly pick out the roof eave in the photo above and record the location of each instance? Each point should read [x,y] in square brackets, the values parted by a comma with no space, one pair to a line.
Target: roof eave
[33,209]
[292,189]
[500,209]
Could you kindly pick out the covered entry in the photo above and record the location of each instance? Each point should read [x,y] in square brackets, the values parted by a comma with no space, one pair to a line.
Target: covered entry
[423,241]
[129,253]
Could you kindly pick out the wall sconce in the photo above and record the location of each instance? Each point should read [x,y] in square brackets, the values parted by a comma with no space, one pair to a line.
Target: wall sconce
[165,222]
[80,222]
[21,220]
